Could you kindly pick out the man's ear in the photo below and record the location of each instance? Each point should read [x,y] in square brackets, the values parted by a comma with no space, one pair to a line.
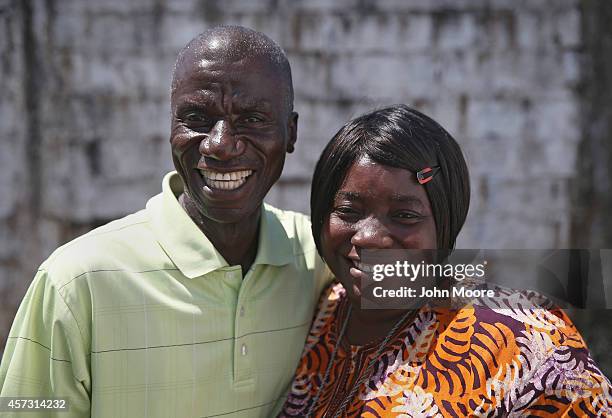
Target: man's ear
[292,131]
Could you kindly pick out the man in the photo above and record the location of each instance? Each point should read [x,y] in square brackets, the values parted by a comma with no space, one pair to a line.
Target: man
[198,305]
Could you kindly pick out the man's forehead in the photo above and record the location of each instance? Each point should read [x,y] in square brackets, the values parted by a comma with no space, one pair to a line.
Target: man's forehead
[230,69]
[209,97]
[206,83]
[245,63]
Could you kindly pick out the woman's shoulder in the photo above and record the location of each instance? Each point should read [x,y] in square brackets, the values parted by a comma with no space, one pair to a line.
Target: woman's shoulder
[327,307]
[330,298]
[515,329]
[511,314]
[525,312]
[325,314]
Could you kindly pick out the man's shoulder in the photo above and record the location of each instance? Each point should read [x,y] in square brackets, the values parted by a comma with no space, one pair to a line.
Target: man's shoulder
[123,244]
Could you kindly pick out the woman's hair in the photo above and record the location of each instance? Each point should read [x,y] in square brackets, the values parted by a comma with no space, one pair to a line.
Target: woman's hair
[396,136]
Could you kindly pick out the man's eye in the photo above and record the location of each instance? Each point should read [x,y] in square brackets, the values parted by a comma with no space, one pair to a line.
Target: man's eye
[252,119]
[195,117]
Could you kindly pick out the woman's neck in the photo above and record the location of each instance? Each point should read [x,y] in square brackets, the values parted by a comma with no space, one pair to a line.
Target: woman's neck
[370,325]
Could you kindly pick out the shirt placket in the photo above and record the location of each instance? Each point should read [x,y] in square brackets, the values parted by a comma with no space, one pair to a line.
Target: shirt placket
[244,349]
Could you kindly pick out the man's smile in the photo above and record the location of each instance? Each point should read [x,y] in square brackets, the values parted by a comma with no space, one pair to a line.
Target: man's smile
[225,180]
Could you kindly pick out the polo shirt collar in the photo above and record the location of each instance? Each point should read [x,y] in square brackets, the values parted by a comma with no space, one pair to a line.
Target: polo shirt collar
[274,246]
[191,251]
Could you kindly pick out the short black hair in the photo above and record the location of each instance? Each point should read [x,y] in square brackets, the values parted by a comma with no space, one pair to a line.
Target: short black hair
[238,42]
[402,137]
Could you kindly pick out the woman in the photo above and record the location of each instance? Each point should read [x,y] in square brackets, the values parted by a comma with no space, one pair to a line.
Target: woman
[395,179]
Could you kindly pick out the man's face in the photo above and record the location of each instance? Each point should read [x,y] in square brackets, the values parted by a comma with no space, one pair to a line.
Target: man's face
[231,128]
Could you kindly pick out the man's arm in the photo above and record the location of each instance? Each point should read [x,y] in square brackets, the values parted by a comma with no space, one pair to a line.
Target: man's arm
[46,354]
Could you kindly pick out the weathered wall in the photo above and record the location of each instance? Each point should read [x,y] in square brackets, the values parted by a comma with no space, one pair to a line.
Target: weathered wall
[84,113]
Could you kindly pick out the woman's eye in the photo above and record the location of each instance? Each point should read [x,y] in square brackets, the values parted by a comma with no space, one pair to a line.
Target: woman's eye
[346,213]
[408,216]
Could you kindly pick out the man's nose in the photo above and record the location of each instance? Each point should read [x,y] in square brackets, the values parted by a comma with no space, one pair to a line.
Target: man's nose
[372,233]
[221,143]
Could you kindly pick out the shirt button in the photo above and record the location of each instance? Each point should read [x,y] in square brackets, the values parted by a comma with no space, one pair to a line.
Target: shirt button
[242,310]
[243,349]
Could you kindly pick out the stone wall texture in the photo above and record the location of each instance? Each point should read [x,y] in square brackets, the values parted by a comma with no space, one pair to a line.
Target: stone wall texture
[524,86]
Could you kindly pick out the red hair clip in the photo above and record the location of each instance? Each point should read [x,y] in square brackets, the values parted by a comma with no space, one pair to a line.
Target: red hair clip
[425,175]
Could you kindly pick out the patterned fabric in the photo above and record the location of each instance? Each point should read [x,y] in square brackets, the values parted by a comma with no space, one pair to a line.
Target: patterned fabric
[485,361]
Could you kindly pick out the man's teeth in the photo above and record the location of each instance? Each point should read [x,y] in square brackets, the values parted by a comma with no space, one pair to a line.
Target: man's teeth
[368,268]
[225,181]
[234,175]
[225,185]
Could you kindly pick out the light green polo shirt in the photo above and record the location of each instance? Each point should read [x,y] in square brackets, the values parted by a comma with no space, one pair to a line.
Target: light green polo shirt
[144,318]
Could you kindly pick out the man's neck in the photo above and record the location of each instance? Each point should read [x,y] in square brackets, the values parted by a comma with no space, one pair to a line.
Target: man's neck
[236,242]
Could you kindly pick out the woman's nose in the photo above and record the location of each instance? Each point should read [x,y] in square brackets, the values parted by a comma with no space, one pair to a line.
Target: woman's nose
[371,233]
[221,143]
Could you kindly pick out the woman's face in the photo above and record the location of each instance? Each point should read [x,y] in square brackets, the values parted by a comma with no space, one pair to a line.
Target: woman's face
[377,207]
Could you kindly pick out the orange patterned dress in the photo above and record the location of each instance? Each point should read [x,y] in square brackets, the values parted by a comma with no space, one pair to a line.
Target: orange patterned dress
[485,361]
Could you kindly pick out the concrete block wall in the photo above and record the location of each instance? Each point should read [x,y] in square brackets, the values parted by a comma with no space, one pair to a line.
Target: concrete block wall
[84,113]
